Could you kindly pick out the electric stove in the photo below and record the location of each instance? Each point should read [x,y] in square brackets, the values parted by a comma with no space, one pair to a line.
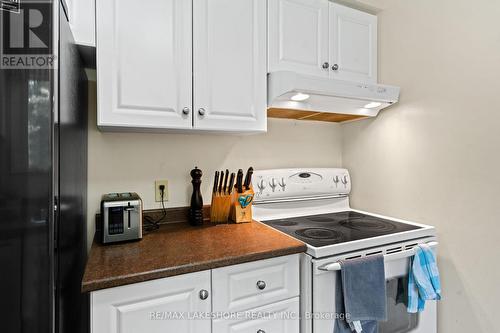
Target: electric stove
[312,205]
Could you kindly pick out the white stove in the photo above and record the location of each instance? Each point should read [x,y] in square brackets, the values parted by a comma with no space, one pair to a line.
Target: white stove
[312,205]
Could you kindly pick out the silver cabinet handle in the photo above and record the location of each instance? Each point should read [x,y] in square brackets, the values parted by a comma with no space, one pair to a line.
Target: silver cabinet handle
[335,67]
[261,285]
[201,111]
[203,294]
[325,65]
[261,331]
[186,110]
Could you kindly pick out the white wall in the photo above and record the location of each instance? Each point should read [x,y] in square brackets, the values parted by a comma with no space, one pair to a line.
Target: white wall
[434,157]
[133,161]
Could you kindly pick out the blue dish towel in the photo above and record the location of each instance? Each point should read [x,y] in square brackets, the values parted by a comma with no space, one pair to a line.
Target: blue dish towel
[360,295]
[423,279]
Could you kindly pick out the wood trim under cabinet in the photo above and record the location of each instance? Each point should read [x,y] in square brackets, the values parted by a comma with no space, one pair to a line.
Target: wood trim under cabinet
[310,115]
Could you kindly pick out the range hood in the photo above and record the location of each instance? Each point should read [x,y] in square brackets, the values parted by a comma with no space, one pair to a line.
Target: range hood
[299,96]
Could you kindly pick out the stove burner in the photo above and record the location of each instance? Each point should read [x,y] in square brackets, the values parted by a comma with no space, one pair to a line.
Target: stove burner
[319,233]
[285,223]
[368,225]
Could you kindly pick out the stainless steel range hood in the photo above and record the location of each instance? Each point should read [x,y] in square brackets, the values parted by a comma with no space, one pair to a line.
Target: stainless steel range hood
[298,96]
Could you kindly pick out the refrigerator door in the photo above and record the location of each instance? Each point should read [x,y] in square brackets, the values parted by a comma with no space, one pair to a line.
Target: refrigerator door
[26,171]
[71,252]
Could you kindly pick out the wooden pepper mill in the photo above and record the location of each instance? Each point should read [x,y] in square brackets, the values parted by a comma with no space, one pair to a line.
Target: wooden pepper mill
[196,210]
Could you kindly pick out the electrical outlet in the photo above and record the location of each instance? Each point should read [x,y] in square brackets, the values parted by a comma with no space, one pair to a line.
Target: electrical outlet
[158,192]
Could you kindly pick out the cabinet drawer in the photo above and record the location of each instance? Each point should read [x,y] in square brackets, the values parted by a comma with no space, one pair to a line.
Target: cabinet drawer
[254,284]
[162,305]
[281,317]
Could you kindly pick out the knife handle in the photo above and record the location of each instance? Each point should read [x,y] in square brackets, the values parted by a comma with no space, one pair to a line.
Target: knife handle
[221,181]
[226,178]
[239,181]
[231,183]
[248,178]
[216,181]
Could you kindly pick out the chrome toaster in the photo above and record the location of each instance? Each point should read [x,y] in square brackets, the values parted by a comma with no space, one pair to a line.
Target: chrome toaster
[121,217]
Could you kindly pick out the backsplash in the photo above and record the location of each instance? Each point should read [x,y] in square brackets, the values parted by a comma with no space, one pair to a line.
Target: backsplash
[120,162]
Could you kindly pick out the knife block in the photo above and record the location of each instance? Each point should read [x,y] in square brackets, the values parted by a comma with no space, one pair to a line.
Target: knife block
[220,208]
[241,206]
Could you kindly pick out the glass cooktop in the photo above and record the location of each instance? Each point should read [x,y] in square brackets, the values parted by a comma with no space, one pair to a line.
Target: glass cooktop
[335,228]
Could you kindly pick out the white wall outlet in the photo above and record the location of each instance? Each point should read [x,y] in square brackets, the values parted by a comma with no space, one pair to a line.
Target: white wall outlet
[158,183]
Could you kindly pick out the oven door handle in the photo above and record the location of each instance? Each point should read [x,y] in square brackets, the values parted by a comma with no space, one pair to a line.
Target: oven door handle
[335,266]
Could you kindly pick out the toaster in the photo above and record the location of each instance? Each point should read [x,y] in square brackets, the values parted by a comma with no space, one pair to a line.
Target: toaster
[121,217]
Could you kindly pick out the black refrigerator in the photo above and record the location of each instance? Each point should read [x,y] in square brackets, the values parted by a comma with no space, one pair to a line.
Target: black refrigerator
[43,171]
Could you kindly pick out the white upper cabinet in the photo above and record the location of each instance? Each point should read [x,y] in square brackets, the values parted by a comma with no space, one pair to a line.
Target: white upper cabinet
[81,17]
[144,63]
[322,38]
[353,44]
[229,65]
[158,69]
[144,307]
[298,36]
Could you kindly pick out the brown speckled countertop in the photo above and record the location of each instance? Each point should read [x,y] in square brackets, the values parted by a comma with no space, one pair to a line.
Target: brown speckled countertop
[179,248]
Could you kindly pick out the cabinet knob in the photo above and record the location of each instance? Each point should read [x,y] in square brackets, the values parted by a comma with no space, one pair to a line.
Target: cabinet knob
[335,67]
[261,285]
[203,294]
[201,111]
[186,110]
[325,65]
[261,331]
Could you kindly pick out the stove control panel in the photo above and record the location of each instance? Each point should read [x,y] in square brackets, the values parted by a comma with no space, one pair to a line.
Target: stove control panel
[283,184]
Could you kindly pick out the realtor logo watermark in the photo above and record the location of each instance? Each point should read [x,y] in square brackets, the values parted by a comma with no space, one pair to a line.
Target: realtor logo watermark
[26,36]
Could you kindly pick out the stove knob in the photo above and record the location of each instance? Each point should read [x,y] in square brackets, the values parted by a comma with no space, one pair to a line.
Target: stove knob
[282,184]
[261,185]
[273,184]
[336,180]
[345,181]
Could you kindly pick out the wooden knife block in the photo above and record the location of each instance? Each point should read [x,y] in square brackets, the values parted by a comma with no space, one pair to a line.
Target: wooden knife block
[238,213]
[220,208]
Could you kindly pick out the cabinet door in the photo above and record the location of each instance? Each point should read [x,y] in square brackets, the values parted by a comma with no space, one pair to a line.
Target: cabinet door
[163,305]
[144,63]
[229,40]
[353,44]
[81,16]
[298,36]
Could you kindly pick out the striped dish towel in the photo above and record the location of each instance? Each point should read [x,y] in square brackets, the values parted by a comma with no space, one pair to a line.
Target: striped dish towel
[423,279]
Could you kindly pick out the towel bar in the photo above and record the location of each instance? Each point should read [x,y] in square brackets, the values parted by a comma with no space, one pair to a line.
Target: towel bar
[335,266]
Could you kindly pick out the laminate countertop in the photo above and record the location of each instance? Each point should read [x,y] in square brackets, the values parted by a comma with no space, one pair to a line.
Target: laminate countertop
[179,248]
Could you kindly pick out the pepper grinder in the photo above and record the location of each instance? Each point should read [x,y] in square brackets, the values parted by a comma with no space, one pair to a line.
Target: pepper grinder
[196,210]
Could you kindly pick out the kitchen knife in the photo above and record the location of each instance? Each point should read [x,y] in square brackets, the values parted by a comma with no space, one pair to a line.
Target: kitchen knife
[239,181]
[248,178]
[231,183]
[221,181]
[226,178]
[216,181]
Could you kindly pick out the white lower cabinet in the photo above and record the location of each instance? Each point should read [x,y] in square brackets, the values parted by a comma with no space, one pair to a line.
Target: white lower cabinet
[163,305]
[281,317]
[255,297]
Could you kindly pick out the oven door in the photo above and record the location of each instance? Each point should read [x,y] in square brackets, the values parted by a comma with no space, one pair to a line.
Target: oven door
[396,272]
